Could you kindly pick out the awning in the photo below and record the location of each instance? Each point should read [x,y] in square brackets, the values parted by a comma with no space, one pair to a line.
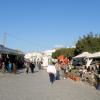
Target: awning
[83,55]
[6,50]
[95,55]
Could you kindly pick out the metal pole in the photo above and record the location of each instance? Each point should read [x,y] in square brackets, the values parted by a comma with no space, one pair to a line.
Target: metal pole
[5,39]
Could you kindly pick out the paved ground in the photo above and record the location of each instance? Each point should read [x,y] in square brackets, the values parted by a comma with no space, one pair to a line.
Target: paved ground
[37,87]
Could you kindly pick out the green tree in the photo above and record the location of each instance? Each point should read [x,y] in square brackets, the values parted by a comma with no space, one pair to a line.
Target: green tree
[89,43]
[67,52]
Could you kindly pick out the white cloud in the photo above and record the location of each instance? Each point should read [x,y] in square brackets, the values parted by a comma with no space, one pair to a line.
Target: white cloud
[63,46]
[59,46]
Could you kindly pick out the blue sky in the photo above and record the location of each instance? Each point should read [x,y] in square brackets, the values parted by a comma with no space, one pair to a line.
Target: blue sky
[37,25]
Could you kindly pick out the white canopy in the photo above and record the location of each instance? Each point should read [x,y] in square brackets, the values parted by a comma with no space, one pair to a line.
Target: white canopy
[82,55]
[95,55]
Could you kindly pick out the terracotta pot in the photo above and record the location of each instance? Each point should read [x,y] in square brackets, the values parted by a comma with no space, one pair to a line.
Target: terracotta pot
[74,78]
[77,78]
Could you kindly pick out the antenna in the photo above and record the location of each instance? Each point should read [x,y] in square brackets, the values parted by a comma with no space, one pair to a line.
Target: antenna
[5,39]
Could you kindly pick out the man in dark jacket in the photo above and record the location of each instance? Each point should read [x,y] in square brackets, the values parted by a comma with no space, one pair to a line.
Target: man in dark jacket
[32,66]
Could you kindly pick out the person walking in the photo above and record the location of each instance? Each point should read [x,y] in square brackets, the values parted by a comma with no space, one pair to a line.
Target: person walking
[32,66]
[3,67]
[57,66]
[14,68]
[63,70]
[9,67]
[27,65]
[51,70]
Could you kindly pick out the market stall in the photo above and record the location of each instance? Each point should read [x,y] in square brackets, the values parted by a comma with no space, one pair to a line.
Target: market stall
[14,56]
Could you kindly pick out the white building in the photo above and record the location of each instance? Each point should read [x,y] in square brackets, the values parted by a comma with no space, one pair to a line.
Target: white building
[45,57]
[49,52]
[33,56]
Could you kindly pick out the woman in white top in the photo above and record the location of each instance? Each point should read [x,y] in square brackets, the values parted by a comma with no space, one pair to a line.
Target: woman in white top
[51,70]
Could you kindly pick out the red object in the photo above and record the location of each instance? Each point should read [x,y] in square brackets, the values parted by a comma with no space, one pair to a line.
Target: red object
[63,59]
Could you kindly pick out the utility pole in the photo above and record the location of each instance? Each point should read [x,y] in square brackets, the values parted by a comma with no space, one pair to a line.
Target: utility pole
[5,39]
